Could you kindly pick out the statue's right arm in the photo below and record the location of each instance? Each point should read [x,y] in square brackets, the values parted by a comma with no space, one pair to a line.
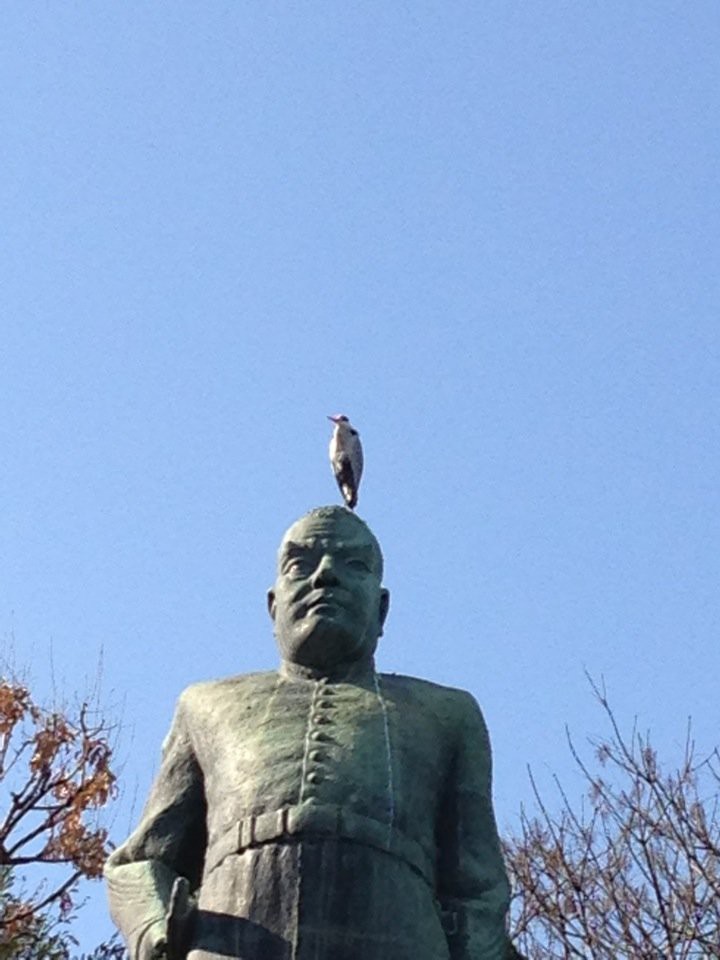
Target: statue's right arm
[473,887]
[168,843]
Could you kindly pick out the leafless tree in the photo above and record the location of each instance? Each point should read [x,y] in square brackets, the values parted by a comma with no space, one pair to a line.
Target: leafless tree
[634,873]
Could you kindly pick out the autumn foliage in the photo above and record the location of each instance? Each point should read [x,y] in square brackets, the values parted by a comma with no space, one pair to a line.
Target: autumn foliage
[55,776]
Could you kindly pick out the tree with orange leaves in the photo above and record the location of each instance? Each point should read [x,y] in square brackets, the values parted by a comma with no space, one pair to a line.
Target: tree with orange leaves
[55,776]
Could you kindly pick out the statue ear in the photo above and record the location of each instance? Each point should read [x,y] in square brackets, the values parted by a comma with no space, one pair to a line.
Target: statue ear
[271,603]
[384,607]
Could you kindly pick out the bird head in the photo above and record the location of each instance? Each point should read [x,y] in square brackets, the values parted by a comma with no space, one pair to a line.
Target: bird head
[338,418]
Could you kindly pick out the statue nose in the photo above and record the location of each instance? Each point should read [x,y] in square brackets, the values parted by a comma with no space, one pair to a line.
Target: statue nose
[325,572]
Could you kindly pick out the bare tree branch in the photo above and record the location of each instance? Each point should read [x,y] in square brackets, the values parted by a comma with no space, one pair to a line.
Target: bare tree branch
[634,876]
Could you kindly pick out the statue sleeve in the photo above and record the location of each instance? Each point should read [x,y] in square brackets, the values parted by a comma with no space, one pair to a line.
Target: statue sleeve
[473,888]
[168,843]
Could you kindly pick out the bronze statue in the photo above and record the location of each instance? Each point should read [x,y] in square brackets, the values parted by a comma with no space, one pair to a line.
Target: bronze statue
[323,811]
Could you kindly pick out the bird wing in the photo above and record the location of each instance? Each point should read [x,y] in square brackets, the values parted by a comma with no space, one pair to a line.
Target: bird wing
[344,472]
[358,464]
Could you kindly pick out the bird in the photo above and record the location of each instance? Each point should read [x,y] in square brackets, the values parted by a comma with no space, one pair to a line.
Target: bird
[346,458]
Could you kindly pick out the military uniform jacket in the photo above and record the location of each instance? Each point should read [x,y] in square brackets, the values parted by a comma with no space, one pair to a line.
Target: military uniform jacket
[318,818]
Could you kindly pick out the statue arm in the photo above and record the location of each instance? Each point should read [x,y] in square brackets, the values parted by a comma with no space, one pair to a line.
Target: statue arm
[169,843]
[473,888]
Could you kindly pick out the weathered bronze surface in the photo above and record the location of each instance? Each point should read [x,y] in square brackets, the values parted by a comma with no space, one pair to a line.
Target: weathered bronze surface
[323,811]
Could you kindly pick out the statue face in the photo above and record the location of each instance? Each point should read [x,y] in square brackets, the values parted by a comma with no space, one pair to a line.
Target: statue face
[327,604]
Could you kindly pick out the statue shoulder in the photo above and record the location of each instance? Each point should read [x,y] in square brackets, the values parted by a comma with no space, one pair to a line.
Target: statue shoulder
[449,703]
[209,691]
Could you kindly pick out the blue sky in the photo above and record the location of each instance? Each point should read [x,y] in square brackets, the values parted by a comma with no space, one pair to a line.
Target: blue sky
[487,232]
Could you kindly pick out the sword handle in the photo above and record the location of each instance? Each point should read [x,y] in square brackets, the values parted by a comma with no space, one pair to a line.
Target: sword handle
[178,914]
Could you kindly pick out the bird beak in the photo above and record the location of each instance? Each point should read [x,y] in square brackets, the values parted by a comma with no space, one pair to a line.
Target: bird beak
[333,418]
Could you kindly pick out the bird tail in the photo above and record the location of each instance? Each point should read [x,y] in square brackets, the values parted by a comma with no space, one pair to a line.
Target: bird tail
[350,496]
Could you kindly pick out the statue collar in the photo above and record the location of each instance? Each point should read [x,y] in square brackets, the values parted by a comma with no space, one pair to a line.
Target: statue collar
[355,672]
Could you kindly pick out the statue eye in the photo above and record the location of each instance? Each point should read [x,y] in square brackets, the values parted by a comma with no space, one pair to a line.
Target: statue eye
[296,567]
[356,563]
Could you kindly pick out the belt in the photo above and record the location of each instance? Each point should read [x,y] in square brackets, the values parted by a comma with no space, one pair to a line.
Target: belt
[310,819]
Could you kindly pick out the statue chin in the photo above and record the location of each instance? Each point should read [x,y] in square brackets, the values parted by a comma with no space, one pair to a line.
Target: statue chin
[323,644]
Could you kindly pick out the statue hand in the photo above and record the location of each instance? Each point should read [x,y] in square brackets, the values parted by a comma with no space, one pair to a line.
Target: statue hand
[169,940]
[153,945]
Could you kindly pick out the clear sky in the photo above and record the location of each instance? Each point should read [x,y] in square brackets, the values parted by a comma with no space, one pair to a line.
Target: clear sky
[488,232]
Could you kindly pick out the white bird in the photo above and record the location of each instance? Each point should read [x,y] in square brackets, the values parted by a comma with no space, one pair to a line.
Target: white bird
[346,458]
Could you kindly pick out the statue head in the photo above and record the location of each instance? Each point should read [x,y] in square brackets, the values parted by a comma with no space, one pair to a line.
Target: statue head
[328,604]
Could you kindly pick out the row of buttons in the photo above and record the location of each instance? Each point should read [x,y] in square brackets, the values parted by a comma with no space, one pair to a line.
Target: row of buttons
[320,706]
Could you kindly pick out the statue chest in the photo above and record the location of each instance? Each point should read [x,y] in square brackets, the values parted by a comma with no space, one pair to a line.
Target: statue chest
[284,743]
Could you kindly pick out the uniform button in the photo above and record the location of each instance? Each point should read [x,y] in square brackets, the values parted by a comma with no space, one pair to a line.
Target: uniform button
[314,777]
[325,704]
[316,755]
[318,735]
[320,718]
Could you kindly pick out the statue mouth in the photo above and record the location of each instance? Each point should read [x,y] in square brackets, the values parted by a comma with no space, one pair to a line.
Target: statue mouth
[325,601]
